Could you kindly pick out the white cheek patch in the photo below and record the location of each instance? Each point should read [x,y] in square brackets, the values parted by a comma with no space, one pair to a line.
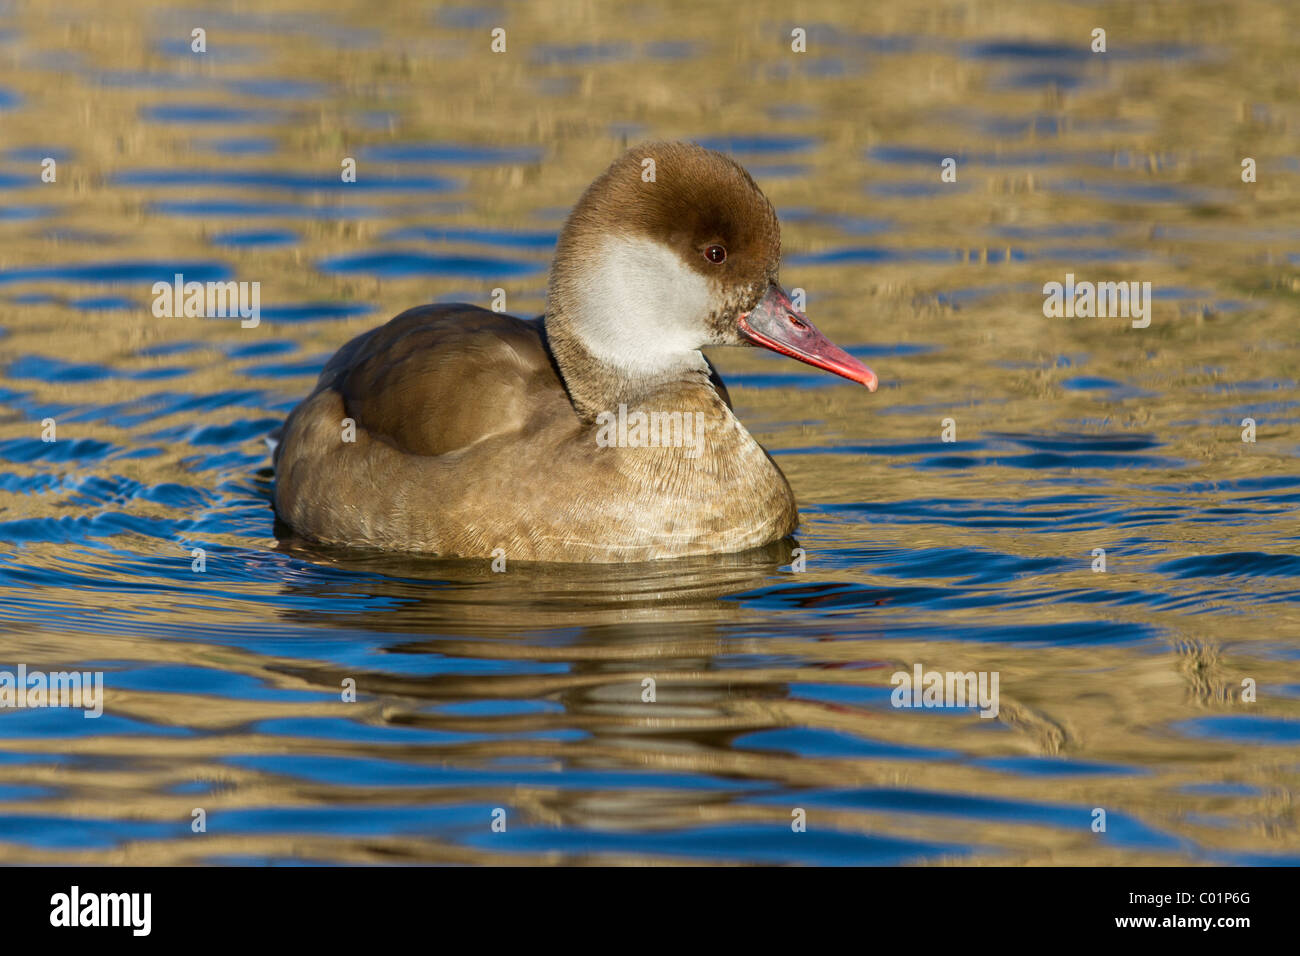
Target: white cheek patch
[640,309]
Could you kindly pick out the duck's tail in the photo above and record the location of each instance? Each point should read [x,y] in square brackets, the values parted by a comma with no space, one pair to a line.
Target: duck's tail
[272,439]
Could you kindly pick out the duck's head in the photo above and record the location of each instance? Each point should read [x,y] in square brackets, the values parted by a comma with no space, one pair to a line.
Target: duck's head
[675,248]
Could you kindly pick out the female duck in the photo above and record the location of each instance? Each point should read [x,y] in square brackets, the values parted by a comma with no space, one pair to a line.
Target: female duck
[597,433]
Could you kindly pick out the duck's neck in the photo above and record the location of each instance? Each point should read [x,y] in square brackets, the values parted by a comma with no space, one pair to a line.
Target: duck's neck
[623,318]
[602,373]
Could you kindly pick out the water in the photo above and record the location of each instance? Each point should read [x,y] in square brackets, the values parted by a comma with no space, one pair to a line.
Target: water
[522,691]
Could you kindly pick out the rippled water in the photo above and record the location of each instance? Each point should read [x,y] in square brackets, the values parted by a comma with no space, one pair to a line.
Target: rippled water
[522,691]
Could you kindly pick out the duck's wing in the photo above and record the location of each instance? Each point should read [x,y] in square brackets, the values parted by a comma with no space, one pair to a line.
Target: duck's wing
[439,378]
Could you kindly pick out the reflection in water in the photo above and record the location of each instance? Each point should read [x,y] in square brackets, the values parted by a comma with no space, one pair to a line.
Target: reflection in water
[527,690]
[470,597]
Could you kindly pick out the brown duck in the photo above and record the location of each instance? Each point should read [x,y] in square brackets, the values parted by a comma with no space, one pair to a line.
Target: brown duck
[595,433]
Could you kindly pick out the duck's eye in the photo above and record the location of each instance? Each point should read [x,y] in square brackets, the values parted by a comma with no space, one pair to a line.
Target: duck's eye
[715,254]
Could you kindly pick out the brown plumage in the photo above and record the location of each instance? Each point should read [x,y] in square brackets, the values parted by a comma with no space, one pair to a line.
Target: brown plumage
[477,431]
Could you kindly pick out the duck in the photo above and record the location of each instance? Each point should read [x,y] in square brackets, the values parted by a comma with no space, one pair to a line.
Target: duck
[596,433]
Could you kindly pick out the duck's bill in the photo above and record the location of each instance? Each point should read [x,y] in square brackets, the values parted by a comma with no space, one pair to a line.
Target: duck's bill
[777,325]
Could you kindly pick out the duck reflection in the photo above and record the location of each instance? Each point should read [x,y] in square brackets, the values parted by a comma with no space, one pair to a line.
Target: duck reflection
[631,674]
[404,593]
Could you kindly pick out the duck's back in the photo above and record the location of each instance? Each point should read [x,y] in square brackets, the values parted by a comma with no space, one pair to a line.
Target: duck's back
[399,429]
[438,378]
